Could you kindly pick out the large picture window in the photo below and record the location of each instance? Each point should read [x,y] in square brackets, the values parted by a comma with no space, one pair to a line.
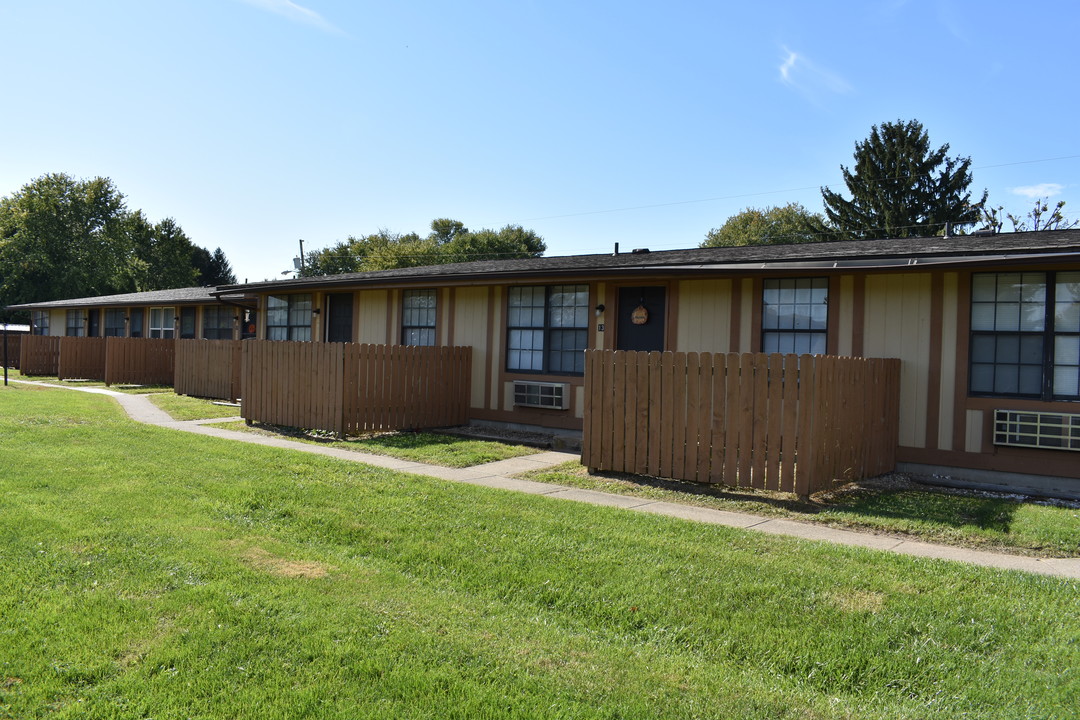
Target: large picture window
[217,323]
[547,329]
[418,317]
[794,316]
[288,317]
[162,322]
[1025,335]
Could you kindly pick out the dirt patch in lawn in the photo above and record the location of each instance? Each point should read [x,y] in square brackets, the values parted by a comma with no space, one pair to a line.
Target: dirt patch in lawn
[266,561]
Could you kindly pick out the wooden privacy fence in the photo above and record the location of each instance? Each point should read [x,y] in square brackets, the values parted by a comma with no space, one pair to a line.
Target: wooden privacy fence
[139,361]
[792,423]
[39,355]
[14,344]
[82,358]
[350,388]
[208,368]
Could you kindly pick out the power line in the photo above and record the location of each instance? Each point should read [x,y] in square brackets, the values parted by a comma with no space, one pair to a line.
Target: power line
[866,182]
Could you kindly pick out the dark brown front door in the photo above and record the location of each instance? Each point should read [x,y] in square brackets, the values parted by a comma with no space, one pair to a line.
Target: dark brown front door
[641,318]
[339,322]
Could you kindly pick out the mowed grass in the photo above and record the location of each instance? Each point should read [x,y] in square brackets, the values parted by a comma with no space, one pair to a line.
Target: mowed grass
[150,573]
[183,407]
[978,520]
[422,447]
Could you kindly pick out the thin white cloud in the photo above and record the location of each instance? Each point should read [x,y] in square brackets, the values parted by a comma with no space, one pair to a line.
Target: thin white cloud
[1042,190]
[296,13]
[809,78]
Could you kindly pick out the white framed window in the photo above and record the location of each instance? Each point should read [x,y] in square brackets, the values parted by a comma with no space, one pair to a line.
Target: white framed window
[795,316]
[418,317]
[162,322]
[1025,335]
[288,317]
[547,329]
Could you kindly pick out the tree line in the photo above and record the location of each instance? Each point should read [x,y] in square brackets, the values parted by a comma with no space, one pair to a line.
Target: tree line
[448,242]
[65,238]
[899,186]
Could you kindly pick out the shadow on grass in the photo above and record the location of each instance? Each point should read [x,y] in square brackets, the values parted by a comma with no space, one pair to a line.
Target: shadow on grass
[892,497]
[930,506]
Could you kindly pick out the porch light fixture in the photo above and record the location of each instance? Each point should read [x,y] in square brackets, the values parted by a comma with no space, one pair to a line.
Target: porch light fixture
[600,309]
[316,311]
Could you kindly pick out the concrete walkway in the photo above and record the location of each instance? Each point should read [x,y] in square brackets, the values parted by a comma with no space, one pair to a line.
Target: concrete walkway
[500,475]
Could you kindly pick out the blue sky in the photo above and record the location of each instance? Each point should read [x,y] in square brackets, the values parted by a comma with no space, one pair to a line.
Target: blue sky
[258,122]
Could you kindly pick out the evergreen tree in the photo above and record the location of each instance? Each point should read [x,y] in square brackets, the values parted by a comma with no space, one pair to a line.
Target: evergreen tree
[212,269]
[901,188]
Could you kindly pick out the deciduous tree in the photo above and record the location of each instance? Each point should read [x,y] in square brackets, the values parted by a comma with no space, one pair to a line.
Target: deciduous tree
[448,242]
[791,223]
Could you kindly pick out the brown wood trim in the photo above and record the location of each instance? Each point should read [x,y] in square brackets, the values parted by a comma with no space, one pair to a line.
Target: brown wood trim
[832,316]
[735,319]
[393,301]
[1004,403]
[491,359]
[355,329]
[1029,461]
[933,374]
[451,307]
[756,287]
[560,419]
[671,309]
[858,314]
[963,335]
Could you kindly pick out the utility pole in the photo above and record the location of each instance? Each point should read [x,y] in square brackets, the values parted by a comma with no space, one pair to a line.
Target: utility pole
[301,255]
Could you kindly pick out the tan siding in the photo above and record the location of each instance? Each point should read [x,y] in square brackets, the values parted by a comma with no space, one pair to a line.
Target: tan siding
[599,338]
[372,317]
[973,442]
[949,342]
[470,328]
[898,326]
[704,317]
[57,322]
[845,326]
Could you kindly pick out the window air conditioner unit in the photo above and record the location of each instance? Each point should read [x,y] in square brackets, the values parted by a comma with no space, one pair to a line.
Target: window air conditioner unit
[1044,430]
[554,396]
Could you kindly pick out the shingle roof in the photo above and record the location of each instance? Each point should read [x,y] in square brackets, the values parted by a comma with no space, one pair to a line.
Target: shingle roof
[177,296]
[957,250]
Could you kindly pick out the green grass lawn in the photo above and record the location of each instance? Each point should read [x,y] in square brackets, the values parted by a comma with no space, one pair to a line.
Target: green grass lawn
[130,389]
[985,521]
[150,573]
[183,407]
[424,447]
